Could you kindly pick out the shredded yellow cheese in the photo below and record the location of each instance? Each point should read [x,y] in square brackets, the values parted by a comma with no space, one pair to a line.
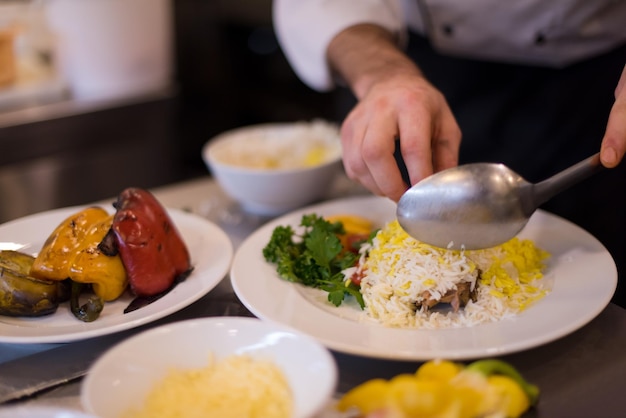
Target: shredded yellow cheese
[237,386]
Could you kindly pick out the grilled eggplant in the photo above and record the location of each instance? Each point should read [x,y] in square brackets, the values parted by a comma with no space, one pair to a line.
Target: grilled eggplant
[21,294]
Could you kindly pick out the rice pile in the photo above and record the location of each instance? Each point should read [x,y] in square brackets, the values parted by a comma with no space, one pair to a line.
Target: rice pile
[237,386]
[397,270]
[296,146]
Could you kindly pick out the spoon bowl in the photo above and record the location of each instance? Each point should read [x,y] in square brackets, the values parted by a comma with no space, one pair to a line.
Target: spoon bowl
[479,205]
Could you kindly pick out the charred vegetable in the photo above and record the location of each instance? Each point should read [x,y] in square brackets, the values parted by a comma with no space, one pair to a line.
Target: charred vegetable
[16,261]
[21,294]
[91,257]
[58,252]
[72,252]
[90,310]
[152,250]
[91,265]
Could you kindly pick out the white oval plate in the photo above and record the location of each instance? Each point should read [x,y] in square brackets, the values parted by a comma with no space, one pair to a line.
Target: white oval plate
[583,274]
[211,254]
[123,376]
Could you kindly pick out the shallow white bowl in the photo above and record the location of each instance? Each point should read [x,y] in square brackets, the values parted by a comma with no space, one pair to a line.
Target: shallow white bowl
[273,191]
[123,376]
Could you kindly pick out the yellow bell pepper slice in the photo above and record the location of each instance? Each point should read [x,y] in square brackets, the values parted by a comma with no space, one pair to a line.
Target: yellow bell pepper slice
[444,389]
[368,397]
[508,396]
[418,397]
[55,258]
[106,274]
[438,370]
[352,224]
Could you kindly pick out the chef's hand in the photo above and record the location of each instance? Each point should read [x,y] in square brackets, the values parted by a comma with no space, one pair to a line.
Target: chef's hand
[613,145]
[394,101]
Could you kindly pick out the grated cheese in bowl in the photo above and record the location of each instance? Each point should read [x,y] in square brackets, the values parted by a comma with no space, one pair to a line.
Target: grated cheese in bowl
[399,273]
[236,386]
[212,367]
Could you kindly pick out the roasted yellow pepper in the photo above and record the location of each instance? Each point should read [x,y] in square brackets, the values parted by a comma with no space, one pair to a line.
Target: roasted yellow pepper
[105,273]
[57,254]
[71,251]
[485,388]
[356,229]
[352,224]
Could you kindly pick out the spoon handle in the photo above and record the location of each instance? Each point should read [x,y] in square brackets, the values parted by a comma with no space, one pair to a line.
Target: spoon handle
[546,189]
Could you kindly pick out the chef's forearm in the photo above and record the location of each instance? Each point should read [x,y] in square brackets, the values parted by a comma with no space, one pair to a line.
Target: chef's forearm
[362,54]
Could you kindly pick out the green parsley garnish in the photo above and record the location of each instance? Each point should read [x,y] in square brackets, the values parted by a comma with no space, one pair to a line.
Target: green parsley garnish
[315,258]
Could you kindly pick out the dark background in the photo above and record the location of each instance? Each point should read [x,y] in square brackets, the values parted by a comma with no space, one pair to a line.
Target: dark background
[229,72]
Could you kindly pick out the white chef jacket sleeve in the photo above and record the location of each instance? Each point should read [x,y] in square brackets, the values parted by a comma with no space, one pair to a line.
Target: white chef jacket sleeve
[304,29]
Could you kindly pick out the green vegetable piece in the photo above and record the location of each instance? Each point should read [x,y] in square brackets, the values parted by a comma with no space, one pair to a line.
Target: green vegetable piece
[90,310]
[280,244]
[336,297]
[494,366]
[22,294]
[323,245]
[314,258]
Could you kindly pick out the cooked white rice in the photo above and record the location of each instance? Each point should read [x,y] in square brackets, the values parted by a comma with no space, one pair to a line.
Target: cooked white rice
[397,270]
[297,145]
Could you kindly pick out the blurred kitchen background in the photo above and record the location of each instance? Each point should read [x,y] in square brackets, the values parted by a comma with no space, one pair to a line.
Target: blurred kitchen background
[99,95]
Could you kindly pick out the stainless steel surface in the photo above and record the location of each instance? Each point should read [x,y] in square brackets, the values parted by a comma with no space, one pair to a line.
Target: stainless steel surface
[480,205]
[70,107]
[581,375]
[29,375]
[56,366]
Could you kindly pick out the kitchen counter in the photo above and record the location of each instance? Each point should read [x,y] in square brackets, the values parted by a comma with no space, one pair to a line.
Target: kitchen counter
[580,375]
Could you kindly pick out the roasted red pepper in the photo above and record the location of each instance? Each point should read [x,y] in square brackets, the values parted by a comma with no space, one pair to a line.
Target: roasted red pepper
[152,250]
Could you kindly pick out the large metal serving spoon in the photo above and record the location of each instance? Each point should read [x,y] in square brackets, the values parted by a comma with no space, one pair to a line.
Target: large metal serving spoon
[480,205]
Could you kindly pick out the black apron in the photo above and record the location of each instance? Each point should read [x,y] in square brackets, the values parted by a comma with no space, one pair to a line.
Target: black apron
[538,121]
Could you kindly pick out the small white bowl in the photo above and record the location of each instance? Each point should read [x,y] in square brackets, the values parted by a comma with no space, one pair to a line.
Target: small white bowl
[271,169]
[122,377]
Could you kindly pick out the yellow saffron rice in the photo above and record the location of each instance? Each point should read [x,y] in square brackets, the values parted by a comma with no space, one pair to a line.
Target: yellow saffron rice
[397,270]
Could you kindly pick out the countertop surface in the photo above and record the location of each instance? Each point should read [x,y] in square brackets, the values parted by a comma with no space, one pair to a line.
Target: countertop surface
[580,375]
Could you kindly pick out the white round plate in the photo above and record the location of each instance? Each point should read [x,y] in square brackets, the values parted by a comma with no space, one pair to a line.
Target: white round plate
[582,272]
[32,411]
[211,254]
[123,376]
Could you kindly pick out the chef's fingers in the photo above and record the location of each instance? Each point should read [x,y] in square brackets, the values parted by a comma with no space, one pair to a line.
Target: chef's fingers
[415,142]
[446,142]
[378,153]
[613,145]
[352,136]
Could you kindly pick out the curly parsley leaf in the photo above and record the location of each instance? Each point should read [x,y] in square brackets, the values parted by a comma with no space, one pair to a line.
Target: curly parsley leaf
[281,243]
[315,258]
[323,245]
